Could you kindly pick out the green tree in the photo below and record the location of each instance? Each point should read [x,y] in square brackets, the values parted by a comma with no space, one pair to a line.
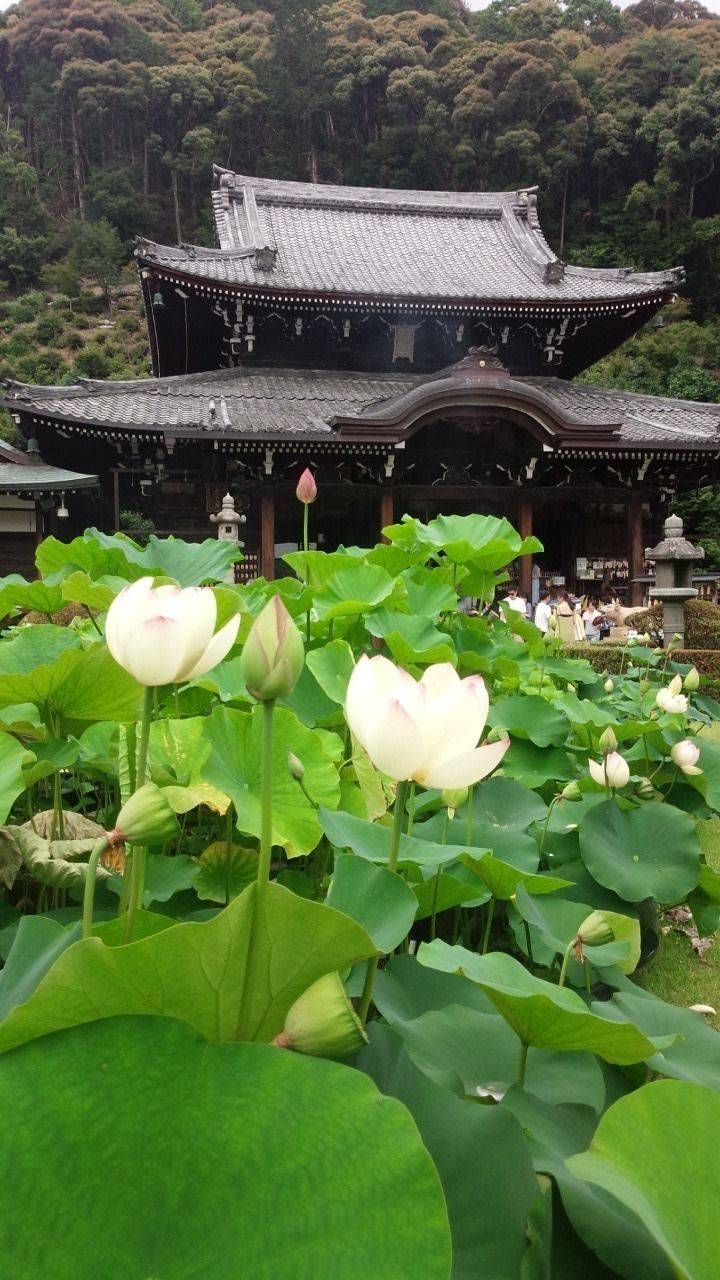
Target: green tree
[98,254]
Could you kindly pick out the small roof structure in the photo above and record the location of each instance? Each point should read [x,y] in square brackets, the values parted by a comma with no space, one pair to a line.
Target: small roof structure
[25,474]
[267,405]
[366,242]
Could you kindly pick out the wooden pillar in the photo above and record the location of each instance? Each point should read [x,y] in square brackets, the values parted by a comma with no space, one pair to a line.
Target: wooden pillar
[116,501]
[267,532]
[636,550]
[387,506]
[525,528]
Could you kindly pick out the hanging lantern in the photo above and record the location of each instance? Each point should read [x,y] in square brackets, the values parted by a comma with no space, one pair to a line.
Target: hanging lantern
[62,511]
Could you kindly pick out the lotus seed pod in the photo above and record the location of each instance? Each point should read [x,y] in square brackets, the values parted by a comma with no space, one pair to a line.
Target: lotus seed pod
[146,818]
[322,1022]
[571,792]
[608,741]
[453,797]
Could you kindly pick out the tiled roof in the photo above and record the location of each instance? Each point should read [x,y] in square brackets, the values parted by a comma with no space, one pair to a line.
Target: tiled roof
[286,404]
[368,242]
[16,477]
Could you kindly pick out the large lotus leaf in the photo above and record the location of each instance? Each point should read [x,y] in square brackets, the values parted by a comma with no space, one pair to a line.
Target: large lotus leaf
[430,592]
[50,755]
[540,1013]
[695,1052]
[13,758]
[178,750]
[34,646]
[612,1231]
[395,560]
[353,590]
[529,716]
[649,852]
[372,841]
[189,563]
[164,877]
[503,881]
[310,702]
[583,711]
[411,639]
[278,1109]
[559,921]
[317,567]
[484,1165]
[60,863]
[708,782]
[224,871]
[332,666]
[490,542]
[99,746]
[655,1150]
[234,766]
[81,588]
[16,593]
[434,896]
[80,685]
[380,900]
[481,1051]
[196,972]
[534,766]
[37,944]
[404,990]
[503,809]
[115,555]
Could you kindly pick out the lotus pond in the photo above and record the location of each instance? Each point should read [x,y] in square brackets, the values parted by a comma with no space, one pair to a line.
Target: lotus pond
[323,911]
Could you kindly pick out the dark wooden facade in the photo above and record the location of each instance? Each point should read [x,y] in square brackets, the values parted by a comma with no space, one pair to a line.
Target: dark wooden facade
[416,351]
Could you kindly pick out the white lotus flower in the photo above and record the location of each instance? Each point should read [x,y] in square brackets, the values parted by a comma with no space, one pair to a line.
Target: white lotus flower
[164,635]
[426,729]
[671,702]
[613,771]
[686,755]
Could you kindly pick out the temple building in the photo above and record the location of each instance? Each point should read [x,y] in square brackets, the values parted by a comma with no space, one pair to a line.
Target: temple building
[416,349]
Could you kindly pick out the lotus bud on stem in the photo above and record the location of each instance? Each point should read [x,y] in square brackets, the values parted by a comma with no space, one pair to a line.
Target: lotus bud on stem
[608,741]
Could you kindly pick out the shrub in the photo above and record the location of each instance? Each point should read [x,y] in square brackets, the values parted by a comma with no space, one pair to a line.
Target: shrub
[92,362]
[609,658]
[702,623]
[48,329]
[20,344]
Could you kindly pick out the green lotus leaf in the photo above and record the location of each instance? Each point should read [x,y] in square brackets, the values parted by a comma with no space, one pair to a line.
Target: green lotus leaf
[276,1107]
[540,1013]
[649,852]
[655,1151]
[377,898]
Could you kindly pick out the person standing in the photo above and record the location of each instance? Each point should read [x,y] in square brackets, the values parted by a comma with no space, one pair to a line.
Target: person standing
[515,602]
[543,612]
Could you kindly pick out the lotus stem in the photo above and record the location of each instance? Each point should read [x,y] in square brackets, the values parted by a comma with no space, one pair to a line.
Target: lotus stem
[137,866]
[522,1063]
[306,548]
[469,816]
[564,965]
[372,964]
[89,894]
[438,873]
[263,874]
[488,926]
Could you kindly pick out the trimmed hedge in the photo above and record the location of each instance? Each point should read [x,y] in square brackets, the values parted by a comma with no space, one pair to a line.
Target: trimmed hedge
[702,623]
[608,657]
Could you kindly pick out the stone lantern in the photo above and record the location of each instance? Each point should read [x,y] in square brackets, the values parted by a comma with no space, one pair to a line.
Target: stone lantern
[228,521]
[674,558]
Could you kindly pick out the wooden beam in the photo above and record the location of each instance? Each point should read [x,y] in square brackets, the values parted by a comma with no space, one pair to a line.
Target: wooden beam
[525,528]
[387,507]
[267,532]
[636,549]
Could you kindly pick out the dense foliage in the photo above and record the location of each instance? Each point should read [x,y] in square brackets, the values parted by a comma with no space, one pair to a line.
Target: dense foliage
[201,873]
[114,112]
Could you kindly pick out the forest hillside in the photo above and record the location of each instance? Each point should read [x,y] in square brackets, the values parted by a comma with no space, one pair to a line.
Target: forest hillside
[113,112]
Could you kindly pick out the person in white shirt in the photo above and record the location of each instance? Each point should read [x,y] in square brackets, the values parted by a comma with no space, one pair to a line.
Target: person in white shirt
[543,612]
[513,601]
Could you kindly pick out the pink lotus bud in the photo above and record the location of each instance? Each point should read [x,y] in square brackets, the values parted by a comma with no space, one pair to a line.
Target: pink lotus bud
[306,491]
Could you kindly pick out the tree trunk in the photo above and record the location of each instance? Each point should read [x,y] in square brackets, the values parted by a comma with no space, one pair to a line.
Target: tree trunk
[176,204]
[314,175]
[77,165]
[562,214]
[691,201]
[668,220]
[146,166]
